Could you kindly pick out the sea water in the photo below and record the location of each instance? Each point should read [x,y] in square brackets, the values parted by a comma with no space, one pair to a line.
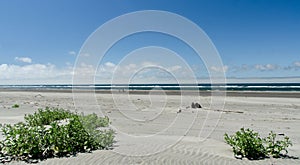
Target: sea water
[201,87]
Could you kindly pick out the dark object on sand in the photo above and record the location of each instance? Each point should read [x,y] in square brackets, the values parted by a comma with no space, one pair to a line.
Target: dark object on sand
[196,105]
[193,105]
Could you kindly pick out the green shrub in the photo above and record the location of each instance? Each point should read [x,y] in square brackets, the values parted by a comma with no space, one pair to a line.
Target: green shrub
[15,106]
[91,123]
[275,147]
[55,132]
[247,143]
[47,116]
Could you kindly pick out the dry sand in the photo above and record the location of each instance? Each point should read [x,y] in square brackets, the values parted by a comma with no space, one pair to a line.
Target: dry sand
[151,131]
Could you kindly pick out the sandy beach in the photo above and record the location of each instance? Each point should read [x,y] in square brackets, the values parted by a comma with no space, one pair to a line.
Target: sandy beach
[163,129]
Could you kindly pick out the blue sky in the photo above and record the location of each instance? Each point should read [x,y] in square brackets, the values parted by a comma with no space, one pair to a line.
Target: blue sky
[39,40]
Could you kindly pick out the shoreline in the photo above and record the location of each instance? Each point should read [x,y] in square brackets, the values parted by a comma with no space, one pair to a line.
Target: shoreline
[280,94]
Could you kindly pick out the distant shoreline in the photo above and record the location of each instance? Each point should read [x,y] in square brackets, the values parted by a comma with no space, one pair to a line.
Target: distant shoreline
[233,87]
[280,94]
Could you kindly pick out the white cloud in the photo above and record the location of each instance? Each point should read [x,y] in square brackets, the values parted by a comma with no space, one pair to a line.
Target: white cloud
[23,59]
[107,68]
[87,73]
[25,72]
[174,68]
[110,64]
[84,69]
[267,67]
[149,64]
[297,64]
[142,71]
[219,69]
[72,53]
[131,67]
[294,66]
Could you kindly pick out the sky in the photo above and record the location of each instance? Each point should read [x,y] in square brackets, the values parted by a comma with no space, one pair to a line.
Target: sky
[257,40]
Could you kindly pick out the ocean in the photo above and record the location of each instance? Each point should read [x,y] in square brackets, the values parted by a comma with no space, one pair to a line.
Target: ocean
[201,87]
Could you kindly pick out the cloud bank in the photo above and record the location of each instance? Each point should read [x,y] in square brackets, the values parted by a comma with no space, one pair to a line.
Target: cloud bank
[143,72]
